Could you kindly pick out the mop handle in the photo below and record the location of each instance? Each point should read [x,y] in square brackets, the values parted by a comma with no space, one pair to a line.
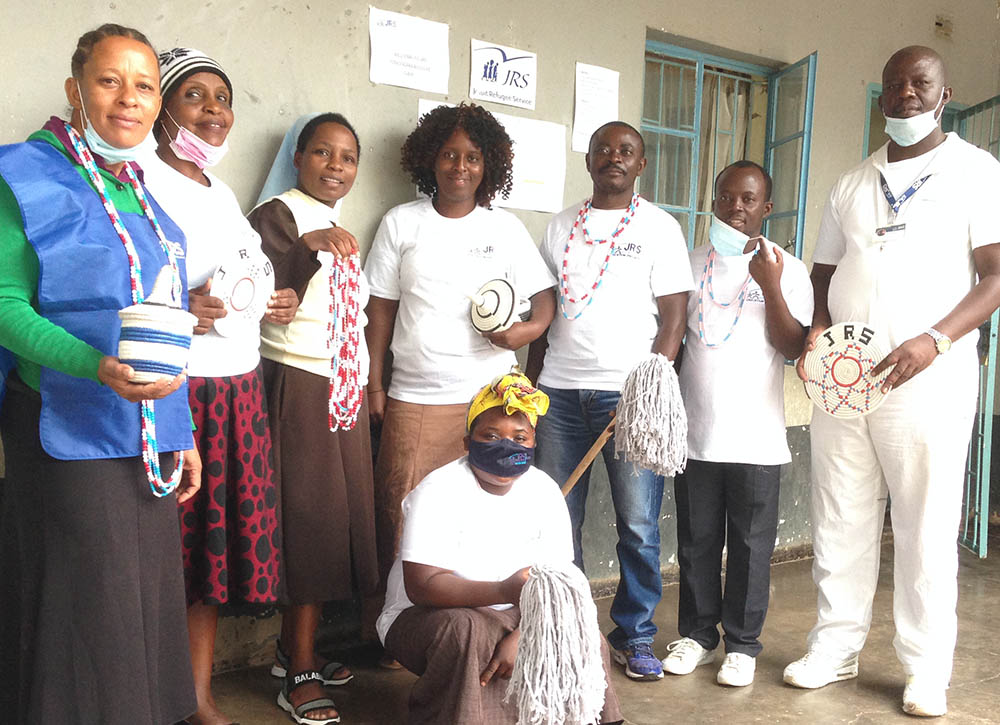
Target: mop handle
[584,464]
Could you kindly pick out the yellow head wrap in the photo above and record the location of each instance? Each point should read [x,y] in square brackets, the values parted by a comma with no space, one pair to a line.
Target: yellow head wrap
[514,392]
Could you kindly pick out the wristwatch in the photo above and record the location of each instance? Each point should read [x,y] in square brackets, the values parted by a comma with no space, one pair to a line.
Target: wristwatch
[941,342]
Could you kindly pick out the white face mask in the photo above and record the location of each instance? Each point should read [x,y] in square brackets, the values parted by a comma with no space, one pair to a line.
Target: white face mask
[728,242]
[908,131]
[111,154]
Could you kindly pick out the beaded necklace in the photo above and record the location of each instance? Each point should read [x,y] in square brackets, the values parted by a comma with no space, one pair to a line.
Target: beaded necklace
[581,222]
[344,338]
[150,449]
[706,285]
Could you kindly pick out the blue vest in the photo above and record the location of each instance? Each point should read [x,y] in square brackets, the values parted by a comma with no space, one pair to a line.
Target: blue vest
[83,281]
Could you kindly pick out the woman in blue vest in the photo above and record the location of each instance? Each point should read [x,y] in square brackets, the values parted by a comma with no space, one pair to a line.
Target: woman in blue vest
[93,627]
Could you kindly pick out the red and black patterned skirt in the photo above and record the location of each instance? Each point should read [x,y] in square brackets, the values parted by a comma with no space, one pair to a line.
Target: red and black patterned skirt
[229,531]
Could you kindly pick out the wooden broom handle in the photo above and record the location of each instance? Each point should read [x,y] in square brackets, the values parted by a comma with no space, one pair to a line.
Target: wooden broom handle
[584,464]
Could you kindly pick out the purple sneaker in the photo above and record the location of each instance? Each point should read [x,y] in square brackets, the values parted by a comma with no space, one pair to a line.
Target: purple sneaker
[640,662]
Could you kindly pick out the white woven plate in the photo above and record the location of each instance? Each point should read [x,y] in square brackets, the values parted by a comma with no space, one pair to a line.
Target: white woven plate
[839,370]
[244,283]
[496,312]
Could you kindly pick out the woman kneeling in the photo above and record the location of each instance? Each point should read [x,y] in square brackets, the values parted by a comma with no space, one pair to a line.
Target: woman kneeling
[471,530]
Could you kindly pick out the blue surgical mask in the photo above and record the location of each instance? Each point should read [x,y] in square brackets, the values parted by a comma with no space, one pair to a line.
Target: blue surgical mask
[728,242]
[501,458]
[100,147]
[909,131]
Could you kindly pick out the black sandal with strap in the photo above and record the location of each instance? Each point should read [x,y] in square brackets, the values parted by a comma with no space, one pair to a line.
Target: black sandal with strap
[299,713]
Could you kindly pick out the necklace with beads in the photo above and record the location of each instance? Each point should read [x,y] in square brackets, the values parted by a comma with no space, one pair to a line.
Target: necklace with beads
[344,337]
[706,286]
[581,223]
[150,449]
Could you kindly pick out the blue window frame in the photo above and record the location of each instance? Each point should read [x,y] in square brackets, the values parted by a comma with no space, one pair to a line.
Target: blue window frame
[702,112]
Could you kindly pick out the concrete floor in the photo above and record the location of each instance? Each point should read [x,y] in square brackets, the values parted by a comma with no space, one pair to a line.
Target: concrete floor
[378,696]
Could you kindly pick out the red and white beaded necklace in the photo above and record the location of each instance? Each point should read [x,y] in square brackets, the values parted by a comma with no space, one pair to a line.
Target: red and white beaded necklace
[707,275]
[344,337]
[150,449]
[581,223]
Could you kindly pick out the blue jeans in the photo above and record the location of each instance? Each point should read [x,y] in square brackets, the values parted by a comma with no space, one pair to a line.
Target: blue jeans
[574,421]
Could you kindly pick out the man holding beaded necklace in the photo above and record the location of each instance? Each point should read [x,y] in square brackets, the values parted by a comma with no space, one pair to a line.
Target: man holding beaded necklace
[748,315]
[624,279]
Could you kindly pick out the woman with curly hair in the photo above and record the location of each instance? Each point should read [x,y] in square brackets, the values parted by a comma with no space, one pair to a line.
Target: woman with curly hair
[427,256]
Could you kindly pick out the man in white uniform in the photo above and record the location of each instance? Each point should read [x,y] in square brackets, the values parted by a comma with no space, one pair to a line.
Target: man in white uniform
[623,278]
[903,239]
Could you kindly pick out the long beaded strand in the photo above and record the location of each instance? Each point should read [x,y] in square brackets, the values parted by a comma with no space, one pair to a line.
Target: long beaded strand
[706,286]
[344,338]
[581,223]
[150,449]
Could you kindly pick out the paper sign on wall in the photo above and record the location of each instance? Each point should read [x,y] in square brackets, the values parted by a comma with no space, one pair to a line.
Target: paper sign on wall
[596,102]
[408,51]
[503,75]
[539,161]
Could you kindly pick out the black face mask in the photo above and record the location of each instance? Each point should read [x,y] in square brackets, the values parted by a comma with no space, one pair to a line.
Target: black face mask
[503,458]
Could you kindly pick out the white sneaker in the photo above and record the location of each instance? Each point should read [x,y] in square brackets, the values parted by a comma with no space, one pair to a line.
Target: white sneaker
[818,668]
[683,655]
[737,670]
[924,697]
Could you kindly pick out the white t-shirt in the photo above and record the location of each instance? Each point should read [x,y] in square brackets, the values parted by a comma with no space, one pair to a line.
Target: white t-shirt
[734,393]
[615,332]
[450,522]
[429,263]
[304,343]
[215,228]
[907,284]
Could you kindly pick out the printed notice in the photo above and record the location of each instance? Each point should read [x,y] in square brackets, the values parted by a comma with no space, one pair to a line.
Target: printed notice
[503,75]
[596,102]
[539,161]
[408,51]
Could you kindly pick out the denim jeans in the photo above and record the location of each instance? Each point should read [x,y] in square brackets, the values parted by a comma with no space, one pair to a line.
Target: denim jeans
[574,421]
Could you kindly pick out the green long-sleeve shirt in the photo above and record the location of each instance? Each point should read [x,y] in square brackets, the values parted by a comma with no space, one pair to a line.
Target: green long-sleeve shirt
[34,340]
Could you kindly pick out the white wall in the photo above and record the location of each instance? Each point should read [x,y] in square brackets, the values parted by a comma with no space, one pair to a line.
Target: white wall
[287,57]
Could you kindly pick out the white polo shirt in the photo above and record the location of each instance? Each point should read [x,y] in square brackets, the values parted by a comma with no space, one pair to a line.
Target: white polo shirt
[907,283]
[734,392]
[615,331]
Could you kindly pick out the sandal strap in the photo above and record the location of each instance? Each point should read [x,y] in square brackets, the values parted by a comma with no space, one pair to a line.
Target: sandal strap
[294,682]
[320,703]
[330,668]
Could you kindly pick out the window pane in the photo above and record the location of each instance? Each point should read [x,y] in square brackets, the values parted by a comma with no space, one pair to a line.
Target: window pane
[673,170]
[651,94]
[782,232]
[791,103]
[678,96]
[785,174]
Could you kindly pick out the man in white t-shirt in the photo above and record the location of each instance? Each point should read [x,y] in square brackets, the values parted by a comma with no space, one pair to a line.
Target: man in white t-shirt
[746,317]
[623,276]
[902,240]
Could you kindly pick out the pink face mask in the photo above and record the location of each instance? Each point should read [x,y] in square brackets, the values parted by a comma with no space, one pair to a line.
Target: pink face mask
[189,146]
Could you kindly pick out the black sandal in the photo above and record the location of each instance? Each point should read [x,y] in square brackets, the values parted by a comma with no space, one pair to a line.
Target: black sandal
[299,713]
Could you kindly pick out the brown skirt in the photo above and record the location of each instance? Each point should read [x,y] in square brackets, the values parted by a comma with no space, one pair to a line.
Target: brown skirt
[325,490]
[93,626]
[449,649]
[416,439]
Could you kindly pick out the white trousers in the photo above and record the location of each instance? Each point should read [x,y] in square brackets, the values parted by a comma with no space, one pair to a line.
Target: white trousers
[912,448]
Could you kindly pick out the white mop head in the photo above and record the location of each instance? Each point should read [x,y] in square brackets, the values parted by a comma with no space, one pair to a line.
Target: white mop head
[651,428]
[558,676]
